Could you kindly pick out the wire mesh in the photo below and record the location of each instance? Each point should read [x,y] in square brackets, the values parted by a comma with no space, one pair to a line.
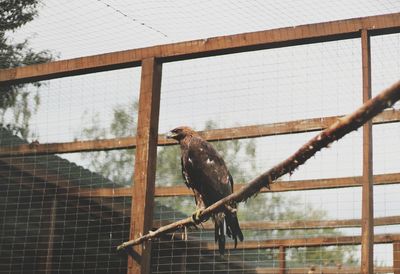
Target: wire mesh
[75,29]
[266,87]
[53,218]
[65,213]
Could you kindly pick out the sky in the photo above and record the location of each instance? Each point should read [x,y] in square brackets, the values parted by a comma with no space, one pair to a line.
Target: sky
[267,86]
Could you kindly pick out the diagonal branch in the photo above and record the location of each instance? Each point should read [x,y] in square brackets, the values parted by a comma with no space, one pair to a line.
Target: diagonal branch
[340,128]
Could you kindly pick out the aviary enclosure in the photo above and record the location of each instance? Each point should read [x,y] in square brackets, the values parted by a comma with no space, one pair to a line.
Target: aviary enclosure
[68,202]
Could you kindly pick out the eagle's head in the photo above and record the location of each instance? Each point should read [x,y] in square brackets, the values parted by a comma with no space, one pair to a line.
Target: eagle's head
[180,133]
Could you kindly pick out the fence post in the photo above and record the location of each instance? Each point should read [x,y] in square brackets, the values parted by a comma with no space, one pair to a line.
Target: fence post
[367,238]
[396,257]
[145,164]
[46,240]
[282,259]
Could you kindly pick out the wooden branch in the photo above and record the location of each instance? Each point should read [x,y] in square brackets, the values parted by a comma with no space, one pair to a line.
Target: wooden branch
[333,133]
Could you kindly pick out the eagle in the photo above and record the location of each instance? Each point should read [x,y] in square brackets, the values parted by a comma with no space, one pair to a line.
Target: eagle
[204,171]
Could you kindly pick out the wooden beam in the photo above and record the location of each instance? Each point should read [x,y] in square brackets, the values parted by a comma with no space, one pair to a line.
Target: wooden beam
[282,260]
[367,244]
[396,257]
[324,270]
[300,224]
[44,257]
[243,132]
[145,164]
[50,241]
[288,36]
[36,149]
[281,186]
[304,242]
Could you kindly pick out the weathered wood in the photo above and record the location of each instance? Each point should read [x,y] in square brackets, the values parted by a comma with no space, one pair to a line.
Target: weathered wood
[50,241]
[324,270]
[304,242]
[243,132]
[205,47]
[48,217]
[301,224]
[281,186]
[294,242]
[67,147]
[367,245]
[396,257]
[282,260]
[102,192]
[333,133]
[145,164]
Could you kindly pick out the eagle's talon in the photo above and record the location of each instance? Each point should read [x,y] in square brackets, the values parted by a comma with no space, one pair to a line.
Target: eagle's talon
[196,216]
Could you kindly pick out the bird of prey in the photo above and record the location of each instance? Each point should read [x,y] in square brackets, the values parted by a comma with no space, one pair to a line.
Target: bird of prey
[205,172]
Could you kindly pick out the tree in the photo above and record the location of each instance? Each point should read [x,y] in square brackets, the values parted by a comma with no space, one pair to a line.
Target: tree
[17,103]
[240,157]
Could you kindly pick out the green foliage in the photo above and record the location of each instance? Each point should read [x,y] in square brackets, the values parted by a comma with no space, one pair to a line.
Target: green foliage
[17,104]
[117,165]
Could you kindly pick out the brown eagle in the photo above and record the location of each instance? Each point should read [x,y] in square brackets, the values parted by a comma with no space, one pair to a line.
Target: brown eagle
[205,172]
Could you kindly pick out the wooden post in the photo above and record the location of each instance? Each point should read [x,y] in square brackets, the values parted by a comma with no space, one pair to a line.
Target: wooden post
[282,259]
[145,164]
[47,227]
[367,239]
[396,257]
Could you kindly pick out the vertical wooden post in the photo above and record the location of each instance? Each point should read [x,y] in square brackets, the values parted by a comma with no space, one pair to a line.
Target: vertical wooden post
[396,257]
[367,239]
[46,240]
[145,164]
[282,259]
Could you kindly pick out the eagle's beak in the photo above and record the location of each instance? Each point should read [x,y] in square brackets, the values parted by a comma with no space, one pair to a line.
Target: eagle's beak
[170,135]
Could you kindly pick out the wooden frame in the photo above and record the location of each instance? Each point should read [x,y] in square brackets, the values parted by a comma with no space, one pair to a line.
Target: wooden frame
[305,242]
[367,244]
[396,257]
[145,164]
[144,190]
[305,224]
[233,133]
[281,186]
[305,34]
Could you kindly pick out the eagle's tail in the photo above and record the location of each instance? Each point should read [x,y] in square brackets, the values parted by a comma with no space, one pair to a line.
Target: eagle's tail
[226,222]
[232,227]
[219,231]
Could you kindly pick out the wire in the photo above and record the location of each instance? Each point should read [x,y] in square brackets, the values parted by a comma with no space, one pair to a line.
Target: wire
[132,18]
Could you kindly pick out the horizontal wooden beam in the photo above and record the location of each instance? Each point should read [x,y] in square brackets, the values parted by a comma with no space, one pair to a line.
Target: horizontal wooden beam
[325,270]
[300,224]
[290,127]
[281,186]
[288,36]
[304,242]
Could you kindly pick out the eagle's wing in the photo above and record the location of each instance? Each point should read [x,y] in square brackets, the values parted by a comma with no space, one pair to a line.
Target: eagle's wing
[188,181]
[207,171]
